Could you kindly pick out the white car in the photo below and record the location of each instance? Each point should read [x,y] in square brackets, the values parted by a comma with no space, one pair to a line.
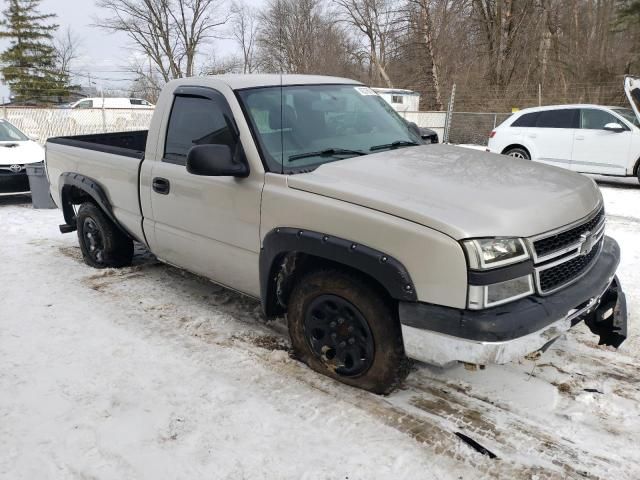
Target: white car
[583,138]
[16,151]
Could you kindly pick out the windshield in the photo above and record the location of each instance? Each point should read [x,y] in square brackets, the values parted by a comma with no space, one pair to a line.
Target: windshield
[301,127]
[9,133]
[628,115]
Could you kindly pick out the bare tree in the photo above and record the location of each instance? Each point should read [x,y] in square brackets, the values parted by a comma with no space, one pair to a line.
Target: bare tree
[223,65]
[148,82]
[67,50]
[169,32]
[501,22]
[421,27]
[377,21]
[244,31]
[298,36]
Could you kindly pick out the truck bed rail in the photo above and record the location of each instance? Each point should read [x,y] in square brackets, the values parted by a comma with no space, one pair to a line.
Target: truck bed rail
[130,144]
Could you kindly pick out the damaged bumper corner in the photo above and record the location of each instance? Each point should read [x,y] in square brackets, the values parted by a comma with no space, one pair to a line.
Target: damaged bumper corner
[441,335]
[609,319]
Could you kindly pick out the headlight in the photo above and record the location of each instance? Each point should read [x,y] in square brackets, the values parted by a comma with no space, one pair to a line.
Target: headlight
[490,253]
[485,296]
[485,253]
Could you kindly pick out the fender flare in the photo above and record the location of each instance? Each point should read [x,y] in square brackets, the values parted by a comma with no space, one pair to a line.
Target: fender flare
[68,183]
[383,268]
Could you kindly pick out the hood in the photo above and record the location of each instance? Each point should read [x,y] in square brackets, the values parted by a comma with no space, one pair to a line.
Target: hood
[460,192]
[632,89]
[12,153]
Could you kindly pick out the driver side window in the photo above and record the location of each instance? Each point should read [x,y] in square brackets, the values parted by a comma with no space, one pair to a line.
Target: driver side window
[593,119]
[195,121]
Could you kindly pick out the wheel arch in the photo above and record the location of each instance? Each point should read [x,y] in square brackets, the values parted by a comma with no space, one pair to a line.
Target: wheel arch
[636,168]
[75,189]
[288,253]
[516,145]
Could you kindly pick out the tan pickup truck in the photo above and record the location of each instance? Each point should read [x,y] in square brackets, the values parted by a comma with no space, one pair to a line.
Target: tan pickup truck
[313,195]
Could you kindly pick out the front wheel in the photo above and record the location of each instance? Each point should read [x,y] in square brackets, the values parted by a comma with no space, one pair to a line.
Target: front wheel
[518,153]
[102,243]
[344,327]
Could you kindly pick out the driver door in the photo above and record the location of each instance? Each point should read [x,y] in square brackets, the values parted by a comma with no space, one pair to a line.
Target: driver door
[208,225]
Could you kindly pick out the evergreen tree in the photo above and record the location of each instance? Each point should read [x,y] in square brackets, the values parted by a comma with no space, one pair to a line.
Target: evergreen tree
[29,63]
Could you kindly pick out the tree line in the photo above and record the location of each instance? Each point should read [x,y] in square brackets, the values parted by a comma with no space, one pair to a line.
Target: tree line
[499,53]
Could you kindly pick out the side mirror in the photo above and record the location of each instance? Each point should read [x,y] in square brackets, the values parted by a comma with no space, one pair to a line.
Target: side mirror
[413,126]
[614,127]
[215,161]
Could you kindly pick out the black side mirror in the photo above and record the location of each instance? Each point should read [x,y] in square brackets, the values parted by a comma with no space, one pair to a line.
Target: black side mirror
[215,161]
[413,126]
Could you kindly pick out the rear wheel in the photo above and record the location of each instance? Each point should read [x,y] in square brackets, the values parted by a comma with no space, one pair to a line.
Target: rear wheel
[102,243]
[344,327]
[518,152]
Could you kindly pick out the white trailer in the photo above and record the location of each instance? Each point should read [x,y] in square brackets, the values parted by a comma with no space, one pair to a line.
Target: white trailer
[400,99]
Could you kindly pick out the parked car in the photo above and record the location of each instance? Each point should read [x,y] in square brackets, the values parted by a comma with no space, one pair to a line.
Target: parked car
[373,244]
[110,102]
[16,151]
[583,138]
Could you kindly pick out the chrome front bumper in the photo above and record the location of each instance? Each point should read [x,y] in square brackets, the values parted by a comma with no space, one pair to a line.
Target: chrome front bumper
[440,349]
[441,336]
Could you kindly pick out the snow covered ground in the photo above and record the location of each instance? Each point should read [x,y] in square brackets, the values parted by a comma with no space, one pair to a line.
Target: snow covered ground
[152,373]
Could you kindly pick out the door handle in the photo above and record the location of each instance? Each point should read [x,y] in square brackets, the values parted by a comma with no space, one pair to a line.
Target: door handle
[161,185]
[579,137]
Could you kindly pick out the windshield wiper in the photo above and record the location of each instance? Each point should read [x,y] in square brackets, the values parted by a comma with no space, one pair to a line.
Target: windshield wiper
[399,143]
[327,152]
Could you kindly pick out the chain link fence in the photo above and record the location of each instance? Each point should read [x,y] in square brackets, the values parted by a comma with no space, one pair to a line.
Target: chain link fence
[473,127]
[43,123]
[464,127]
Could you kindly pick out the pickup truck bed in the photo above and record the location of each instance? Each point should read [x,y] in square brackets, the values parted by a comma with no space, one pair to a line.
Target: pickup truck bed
[115,159]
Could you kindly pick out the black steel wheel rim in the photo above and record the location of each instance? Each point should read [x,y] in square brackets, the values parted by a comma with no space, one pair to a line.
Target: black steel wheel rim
[93,239]
[339,335]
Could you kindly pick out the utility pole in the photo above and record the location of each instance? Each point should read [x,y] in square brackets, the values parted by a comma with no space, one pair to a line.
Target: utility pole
[447,125]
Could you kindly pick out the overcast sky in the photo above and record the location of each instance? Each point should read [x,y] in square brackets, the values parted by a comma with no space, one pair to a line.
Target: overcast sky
[104,55]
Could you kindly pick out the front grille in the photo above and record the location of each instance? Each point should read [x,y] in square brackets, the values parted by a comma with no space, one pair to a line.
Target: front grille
[559,275]
[5,172]
[548,245]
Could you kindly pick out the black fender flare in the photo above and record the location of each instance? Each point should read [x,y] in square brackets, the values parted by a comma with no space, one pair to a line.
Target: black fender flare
[69,183]
[383,268]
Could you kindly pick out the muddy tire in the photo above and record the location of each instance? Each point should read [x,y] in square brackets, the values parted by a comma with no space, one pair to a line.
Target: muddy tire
[102,243]
[343,326]
[518,152]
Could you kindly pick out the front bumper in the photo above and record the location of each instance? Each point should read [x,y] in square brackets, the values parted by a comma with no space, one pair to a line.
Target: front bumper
[442,335]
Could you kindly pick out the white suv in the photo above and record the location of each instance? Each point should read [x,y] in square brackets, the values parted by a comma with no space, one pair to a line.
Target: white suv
[583,138]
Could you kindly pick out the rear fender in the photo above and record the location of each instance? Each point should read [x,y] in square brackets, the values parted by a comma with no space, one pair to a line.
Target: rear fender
[75,189]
